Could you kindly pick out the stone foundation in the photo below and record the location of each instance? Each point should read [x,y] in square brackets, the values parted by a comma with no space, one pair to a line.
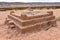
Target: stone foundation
[30,21]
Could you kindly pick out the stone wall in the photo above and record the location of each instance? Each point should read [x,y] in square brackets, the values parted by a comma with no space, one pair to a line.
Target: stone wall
[29,22]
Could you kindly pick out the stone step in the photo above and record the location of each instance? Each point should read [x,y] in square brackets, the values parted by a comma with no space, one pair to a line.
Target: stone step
[7,20]
[32,21]
[26,17]
[38,26]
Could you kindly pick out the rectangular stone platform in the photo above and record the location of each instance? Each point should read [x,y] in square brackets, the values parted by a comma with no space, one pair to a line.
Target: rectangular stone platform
[31,21]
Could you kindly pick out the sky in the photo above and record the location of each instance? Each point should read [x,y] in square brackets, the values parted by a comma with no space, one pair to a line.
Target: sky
[29,0]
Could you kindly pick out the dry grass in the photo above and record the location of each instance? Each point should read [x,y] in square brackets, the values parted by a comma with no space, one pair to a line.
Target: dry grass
[58,19]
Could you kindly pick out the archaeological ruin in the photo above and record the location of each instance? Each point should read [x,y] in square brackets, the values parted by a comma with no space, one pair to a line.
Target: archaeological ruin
[31,21]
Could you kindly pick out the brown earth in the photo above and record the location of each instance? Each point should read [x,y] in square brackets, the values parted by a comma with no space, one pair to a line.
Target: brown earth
[51,34]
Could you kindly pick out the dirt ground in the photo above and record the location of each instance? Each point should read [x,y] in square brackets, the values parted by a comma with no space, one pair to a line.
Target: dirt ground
[51,34]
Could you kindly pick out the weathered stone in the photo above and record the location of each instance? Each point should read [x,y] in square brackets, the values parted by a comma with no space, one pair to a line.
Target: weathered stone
[28,22]
[24,16]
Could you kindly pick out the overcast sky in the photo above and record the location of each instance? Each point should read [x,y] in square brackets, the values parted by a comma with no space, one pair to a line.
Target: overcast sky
[29,0]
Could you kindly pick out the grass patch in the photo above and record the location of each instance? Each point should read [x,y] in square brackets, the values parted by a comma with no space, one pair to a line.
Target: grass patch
[58,19]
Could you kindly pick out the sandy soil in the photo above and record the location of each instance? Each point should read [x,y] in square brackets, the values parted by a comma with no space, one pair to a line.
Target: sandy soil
[51,34]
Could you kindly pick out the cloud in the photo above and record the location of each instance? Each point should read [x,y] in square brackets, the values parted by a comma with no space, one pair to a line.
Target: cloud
[29,0]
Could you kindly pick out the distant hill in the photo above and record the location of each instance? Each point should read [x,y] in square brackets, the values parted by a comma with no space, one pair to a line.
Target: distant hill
[30,4]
